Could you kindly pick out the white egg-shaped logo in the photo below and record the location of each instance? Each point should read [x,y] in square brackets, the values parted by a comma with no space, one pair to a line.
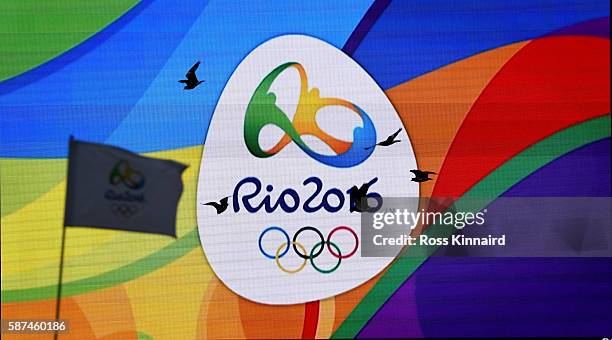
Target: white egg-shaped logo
[292,136]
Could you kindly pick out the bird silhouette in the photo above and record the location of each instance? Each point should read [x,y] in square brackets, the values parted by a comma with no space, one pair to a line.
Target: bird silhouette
[389,141]
[192,80]
[358,196]
[422,176]
[221,206]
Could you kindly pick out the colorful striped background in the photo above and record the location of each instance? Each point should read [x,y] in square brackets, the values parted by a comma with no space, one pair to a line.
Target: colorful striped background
[501,98]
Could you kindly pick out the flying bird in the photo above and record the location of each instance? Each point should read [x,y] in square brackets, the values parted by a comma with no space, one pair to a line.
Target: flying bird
[192,80]
[390,140]
[221,206]
[358,196]
[422,176]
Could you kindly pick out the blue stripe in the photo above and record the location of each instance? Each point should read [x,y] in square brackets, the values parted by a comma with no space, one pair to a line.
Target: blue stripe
[88,90]
[72,54]
[91,97]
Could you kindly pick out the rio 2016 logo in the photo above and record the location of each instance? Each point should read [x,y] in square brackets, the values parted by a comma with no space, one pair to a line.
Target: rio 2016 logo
[125,202]
[290,140]
[262,110]
[123,173]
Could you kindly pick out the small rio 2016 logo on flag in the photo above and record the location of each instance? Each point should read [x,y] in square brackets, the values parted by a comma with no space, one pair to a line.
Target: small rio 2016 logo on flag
[125,203]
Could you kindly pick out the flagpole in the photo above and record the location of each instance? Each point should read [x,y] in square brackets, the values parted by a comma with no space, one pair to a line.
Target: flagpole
[58,298]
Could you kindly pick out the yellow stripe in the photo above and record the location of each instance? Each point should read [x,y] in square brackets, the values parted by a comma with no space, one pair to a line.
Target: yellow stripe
[327,311]
[31,235]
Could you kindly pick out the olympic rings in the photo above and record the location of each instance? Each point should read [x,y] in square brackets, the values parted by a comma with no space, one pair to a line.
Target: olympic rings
[277,257]
[325,271]
[305,256]
[286,243]
[124,209]
[315,252]
[342,227]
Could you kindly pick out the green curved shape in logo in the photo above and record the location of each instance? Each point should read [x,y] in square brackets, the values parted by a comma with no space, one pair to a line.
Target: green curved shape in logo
[122,172]
[262,110]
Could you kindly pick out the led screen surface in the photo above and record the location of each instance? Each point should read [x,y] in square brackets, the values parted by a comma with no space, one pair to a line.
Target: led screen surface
[500,99]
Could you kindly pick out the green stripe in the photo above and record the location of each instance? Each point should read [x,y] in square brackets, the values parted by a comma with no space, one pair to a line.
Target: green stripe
[145,265]
[491,187]
[144,336]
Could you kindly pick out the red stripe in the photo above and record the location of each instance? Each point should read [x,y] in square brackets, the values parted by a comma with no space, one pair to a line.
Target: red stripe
[549,85]
[311,319]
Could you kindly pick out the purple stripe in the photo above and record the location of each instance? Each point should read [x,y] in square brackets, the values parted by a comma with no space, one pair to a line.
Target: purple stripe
[597,27]
[483,297]
[368,20]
